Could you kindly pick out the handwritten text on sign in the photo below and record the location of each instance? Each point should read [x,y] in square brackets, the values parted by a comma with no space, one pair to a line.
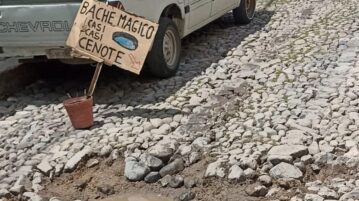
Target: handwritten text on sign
[106,34]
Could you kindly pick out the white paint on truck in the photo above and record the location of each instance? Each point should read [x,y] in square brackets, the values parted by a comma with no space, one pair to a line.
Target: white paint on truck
[35,27]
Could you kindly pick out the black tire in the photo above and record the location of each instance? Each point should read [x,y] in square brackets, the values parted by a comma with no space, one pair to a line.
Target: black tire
[245,12]
[156,61]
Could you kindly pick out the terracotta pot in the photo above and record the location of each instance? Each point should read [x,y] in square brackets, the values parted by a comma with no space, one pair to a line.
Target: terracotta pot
[80,112]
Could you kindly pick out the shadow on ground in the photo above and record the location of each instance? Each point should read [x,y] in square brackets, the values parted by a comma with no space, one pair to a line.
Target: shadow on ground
[202,48]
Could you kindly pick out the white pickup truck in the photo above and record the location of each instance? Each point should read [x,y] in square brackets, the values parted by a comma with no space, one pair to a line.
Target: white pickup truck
[39,28]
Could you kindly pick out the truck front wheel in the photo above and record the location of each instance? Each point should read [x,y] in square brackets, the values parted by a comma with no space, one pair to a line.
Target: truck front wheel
[245,12]
[164,58]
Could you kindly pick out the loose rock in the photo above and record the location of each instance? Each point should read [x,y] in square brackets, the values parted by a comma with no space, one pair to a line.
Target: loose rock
[135,171]
[187,196]
[256,190]
[285,170]
[176,181]
[173,168]
[236,173]
[72,163]
[152,177]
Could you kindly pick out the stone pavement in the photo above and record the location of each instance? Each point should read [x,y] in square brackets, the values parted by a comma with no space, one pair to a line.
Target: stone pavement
[264,102]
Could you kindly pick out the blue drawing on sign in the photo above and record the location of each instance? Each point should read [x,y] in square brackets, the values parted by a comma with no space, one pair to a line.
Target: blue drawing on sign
[125,40]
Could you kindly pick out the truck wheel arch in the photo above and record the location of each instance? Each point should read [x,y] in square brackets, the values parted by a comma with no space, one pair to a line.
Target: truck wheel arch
[174,12]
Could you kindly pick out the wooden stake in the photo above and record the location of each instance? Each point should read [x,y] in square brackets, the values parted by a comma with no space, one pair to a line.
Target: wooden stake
[94,79]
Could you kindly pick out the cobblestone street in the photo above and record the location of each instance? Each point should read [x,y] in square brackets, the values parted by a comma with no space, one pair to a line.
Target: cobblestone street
[267,105]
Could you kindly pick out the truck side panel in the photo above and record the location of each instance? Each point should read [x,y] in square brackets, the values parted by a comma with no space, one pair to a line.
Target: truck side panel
[33,25]
[46,26]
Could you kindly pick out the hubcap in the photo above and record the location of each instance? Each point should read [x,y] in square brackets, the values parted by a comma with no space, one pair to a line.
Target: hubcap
[169,48]
[250,7]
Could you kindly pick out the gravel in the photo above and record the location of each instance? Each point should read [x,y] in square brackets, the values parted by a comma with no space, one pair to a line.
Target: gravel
[272,98]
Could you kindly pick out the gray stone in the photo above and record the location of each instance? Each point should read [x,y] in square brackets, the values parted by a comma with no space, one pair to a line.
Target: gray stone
[250,173]
[106,150]
[256,190]
[172,168]
[4,193]
[187,196]
[315,168]
[165,180]
[295,137]
[300,165]
[327,193]
[294,151]
[58,169]
[236,173]
[313,148]
[352,162]
[152,177]
[266,180]
[212,169]
[115,154]
[176,181]
[152,162]
[276,159]
[136,171]
[353,195]
[17,189]
[73,162]
[285,170]
[44,167]
[353,152]
[324,146]
[194,157]
[323,158]
[307,159]
[92,163]
[270,131]
[23,171]
[273,191]
[161,151]
[200,142]
[313,197]
[248,163]
[221,172]
[156,122]
[247,73]
[185,150]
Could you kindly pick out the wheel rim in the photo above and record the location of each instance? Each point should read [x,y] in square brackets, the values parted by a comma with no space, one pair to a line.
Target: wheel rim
[170,48]
[250,7]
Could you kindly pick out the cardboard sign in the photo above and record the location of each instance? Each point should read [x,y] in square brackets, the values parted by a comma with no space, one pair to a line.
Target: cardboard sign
[106,34]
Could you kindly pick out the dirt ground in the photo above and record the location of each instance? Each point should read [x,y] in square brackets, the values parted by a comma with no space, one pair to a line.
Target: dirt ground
[67,188]
[83,184]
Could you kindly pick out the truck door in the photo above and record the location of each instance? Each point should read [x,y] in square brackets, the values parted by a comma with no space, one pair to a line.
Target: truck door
[200,10]
[223,5]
